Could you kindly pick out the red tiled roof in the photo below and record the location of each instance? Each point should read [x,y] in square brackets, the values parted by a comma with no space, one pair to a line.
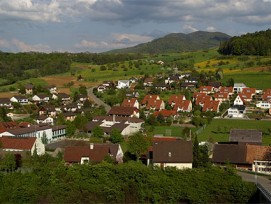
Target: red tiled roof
[149,97]
[154,104]
[211,106]
[183,105]
[165,113]
[7,125]
[206,88]
[223,95]
[203,99]
[129,102]
[175,99]
[197,94]
[226,89]
[22,143]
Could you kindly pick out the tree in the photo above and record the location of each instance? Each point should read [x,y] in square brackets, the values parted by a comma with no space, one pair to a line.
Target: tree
[196,152]
[60,119]
[138,144]
[97,132]
[80,122]
[44,138]
[71,128]
[115,136]
[230,82]
[8,163]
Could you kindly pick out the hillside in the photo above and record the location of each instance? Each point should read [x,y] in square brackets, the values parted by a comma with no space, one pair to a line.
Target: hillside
[178,42]
[258,43]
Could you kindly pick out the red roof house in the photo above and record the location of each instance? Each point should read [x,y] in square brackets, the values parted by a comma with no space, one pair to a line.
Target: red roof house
[130,103]
[211,106]
[183,106]
[174,99]
[206,89]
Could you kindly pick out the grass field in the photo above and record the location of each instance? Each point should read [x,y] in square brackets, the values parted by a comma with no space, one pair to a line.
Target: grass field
[174,131]
[219,129]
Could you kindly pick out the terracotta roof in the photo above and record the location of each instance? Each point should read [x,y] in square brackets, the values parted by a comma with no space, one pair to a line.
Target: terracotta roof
[211,106]
[178,151]
[156,104]
[148,98]
[129,102]
[165,113]
[223,95]
[203,99]
[120,110]
[175,99]
[183,105]
[267,95]
[206,88]
[7,125]
[20,143]
[198,94]
[225,89]
[246,136]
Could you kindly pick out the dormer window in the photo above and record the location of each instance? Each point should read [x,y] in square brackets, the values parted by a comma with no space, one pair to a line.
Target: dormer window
[169,154]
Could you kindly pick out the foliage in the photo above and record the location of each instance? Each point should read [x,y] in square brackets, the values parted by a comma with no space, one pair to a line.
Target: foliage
[97,132]
[115,136]
[126,183]
[257,43]
[138,144]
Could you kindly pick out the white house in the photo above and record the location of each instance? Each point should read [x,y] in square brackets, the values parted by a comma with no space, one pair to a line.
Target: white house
[239,100]
[263,104]
[123,84]
[43,119]
[19,99]
[40,98]
[22,144]
[237,111]
[238,87]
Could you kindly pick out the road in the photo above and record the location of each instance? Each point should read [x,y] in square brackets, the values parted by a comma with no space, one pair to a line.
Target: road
[96,100]
[264,181]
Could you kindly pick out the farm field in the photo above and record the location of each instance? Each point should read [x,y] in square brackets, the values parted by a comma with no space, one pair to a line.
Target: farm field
[219,129]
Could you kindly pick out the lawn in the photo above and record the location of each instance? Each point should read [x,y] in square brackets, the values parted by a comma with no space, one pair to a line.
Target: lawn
[219,129]
[174,131]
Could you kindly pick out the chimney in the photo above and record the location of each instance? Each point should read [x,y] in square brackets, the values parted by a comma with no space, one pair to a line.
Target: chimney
[114,119]
[91,145]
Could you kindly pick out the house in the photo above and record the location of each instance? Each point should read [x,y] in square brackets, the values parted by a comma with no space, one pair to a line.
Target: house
[238,87]
[126,125]
[263,104]
[248,93]
[133,102]
[6,103]
[52,89]
[93,153]
[133,80]
[123,84]
[202,99]
[124,111]
[166,113]
[63,97]
[161,86]
[108,84]
[148,81]
[29,89]
[58,132]
[211,106]
[155,105]
[242,155]
[183,106]
[189,85]
[172,79]
[43,119]
[82,98]
[246,136]
[39,98]
[101,88]
[4,126]
[174,99]
[69,116]
[148,98]
[222,97]
[48,110]
[22,144]
[239,100]
[237,111]
[20,99]
[225,89]
[266,95]
[172,153]
[37,131]
[72,107]
[206,89]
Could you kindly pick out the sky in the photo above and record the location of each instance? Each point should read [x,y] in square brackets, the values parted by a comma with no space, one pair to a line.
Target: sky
[102,25]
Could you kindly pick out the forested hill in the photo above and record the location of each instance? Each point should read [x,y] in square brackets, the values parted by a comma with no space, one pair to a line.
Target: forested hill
[179,42]
[258,43]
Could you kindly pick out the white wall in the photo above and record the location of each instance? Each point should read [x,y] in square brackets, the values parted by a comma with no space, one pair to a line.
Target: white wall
[177,165]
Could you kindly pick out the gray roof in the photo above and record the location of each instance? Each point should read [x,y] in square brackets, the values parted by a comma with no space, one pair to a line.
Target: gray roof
[246,136]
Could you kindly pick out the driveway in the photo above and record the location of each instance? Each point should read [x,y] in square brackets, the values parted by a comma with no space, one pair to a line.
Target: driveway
[96,100]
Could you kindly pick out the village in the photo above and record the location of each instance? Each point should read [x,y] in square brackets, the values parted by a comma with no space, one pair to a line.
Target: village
[191,101]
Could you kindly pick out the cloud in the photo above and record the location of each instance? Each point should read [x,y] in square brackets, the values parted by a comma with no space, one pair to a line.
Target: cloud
[117,41]
[211,29]
[189,29]
[30,10]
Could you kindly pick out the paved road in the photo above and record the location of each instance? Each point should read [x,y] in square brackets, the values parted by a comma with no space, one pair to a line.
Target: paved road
[264,181]
[96,100]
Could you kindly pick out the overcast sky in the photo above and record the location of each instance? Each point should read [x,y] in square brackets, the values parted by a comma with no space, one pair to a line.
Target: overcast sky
[100,25]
